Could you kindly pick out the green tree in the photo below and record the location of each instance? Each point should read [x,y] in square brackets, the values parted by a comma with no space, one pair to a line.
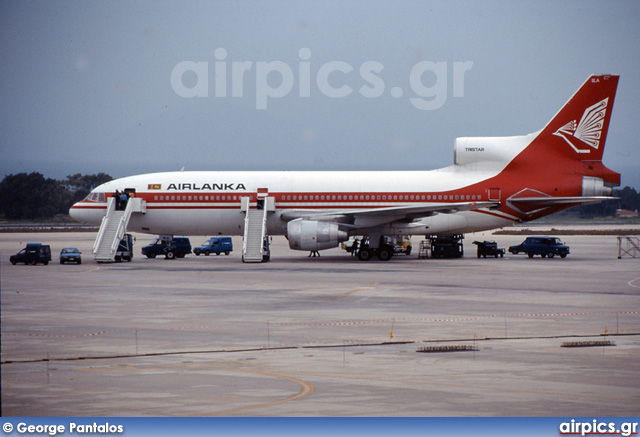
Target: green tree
[629,198]
[30,196]
[79,185]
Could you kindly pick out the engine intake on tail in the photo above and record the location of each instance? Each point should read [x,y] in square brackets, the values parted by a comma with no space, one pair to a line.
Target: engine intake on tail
[595,187]
[314,235]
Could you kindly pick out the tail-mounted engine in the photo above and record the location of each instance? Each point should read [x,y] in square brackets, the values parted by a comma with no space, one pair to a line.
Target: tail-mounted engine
[595,187]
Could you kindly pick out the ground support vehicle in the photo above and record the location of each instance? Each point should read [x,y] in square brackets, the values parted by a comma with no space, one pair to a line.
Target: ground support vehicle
[447,246]
[125,249]
[177,247]
[488,248]
[215,245]
[33,254]
[543,246]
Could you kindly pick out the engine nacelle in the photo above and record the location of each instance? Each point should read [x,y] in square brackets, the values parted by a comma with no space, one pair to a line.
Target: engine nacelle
[314,235]
[595,187]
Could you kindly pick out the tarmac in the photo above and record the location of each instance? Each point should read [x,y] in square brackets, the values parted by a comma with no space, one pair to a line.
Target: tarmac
[327,336]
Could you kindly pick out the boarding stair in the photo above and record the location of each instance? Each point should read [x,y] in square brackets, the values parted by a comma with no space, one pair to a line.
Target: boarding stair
[113,228]
[255,247]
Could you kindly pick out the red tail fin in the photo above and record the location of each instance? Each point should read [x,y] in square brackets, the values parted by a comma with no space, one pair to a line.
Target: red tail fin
[579,129]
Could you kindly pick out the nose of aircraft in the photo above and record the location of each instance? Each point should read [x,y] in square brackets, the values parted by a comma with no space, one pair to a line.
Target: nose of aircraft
[76,213]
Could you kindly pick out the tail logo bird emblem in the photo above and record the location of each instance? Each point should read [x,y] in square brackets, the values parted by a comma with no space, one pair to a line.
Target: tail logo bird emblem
[589,130]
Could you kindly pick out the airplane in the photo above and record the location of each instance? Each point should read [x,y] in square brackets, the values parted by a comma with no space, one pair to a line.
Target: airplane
[494,182]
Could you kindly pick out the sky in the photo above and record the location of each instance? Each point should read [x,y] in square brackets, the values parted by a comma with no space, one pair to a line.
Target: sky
[135,87]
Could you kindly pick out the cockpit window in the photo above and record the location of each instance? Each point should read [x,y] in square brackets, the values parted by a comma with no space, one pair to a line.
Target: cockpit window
[95,197]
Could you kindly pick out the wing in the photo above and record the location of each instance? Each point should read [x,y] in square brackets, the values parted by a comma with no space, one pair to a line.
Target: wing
[364,218]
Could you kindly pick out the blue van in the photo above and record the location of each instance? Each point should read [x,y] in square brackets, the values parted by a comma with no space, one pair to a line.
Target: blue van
[33,254]
[178,247]
[215,245]
[544,246]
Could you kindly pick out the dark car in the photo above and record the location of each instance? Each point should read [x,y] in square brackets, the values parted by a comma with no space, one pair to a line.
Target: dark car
[215,245]
[177,247]
[488,248]
[70,255]
[544,246]
[33,253]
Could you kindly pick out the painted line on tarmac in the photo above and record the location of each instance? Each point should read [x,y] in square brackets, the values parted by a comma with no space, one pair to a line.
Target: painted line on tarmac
[631,283]
[349,293]
[338,323]
[29,334]
[448,319]
[306,389]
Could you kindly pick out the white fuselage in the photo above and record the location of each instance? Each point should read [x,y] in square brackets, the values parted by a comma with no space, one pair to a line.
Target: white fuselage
[209,202]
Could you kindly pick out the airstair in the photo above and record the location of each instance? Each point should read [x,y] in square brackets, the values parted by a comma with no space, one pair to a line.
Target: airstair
[255,247]
[113,228]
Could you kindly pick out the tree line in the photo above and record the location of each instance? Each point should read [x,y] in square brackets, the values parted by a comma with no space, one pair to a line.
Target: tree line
[629,199]
[32,196]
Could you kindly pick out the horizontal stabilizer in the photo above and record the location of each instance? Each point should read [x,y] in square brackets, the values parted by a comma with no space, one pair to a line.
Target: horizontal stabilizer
[552,201]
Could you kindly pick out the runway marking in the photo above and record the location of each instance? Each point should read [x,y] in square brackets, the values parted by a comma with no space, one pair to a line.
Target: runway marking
[453,319]
[28,334]
[340,323]
[631,283]
[305,390]
[436,380]
[349,293]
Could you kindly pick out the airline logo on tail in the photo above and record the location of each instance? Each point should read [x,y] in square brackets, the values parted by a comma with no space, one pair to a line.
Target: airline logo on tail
[588,131]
